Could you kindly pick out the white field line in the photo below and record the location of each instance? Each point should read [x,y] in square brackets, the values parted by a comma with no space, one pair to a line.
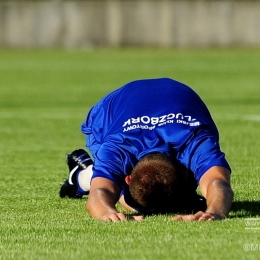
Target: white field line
[253,118]
[237,117]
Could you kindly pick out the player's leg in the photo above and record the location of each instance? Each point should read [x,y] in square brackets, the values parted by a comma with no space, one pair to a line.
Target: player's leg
[80,168]
[78,183]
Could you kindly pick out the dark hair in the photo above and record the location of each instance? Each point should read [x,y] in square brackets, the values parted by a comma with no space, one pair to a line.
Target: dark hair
[154,183]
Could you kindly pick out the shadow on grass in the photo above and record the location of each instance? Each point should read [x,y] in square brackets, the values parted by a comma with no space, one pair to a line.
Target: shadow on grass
[240,209]
[246,209]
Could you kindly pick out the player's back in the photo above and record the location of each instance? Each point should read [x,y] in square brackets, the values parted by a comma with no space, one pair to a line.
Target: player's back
[162,110]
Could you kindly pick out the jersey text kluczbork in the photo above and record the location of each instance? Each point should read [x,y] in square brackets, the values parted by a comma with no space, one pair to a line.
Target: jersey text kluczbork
[149,123]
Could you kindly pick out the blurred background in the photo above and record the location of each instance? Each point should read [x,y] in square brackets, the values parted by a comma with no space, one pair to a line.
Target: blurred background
[164,23]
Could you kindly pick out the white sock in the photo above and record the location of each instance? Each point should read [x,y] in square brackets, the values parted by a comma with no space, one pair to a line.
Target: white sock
[84,178]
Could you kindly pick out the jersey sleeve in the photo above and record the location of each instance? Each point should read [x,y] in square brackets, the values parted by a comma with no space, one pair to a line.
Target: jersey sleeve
[112,164]
[202,153]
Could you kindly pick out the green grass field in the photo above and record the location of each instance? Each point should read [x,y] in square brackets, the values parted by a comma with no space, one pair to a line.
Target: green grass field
[45,96]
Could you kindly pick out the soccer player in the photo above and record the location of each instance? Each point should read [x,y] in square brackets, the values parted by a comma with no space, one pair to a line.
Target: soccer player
[153,142]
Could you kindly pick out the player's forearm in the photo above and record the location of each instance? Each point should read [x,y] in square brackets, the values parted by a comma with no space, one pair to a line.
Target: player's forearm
[219,198]
[100,203]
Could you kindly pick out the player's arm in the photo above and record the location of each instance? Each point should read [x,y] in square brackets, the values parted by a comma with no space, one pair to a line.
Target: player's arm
[103,197]
[215,187]
[125,205]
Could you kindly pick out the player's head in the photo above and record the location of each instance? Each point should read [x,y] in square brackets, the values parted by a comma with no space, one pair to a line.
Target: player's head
[154,183]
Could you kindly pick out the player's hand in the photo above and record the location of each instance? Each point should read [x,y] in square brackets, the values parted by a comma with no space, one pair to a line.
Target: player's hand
[199,216]
[117,216]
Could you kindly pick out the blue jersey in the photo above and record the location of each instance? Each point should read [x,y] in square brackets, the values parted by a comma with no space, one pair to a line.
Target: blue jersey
[153,115]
